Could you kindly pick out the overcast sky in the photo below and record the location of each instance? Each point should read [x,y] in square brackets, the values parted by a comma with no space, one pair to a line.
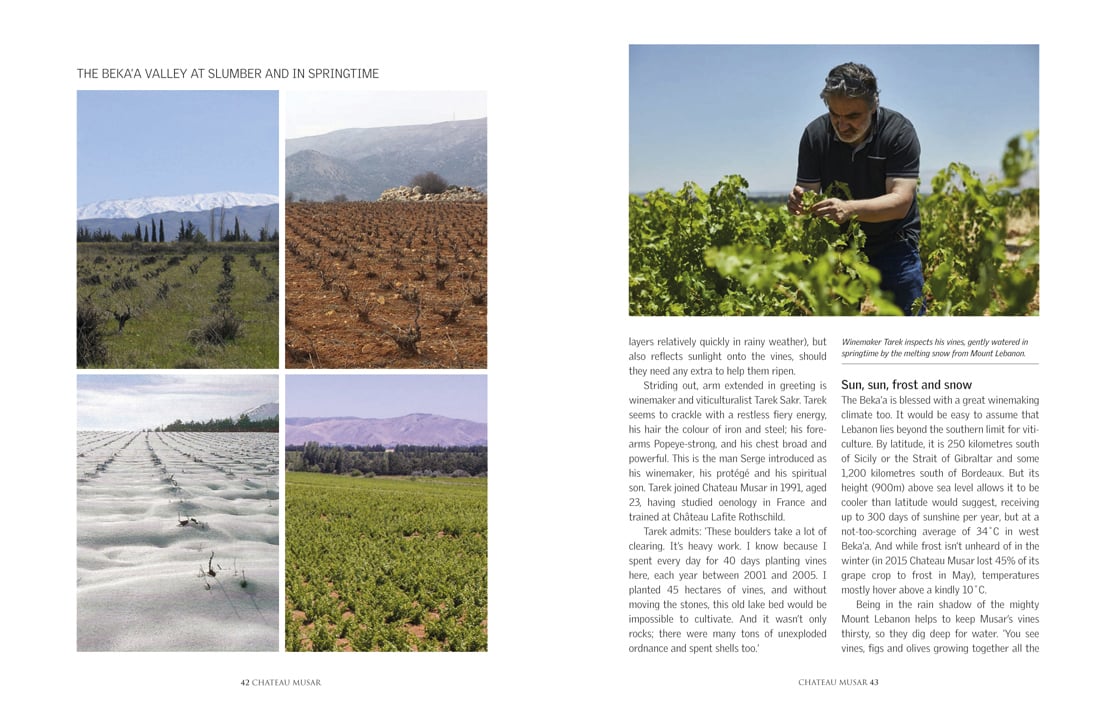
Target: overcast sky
[698,113]
[310,113]
[384,395]
[166,143]
[128,402]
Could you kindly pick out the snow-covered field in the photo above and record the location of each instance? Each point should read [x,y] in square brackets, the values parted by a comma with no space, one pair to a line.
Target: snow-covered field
[178,542]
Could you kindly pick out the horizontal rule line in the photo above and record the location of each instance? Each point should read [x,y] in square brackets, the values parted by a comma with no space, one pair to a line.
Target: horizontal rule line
[937,363]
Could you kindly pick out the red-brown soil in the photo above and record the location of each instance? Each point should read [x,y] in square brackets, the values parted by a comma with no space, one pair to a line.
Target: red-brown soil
[387,285]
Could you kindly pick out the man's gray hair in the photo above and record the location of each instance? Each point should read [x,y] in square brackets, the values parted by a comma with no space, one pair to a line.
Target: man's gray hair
[851,80]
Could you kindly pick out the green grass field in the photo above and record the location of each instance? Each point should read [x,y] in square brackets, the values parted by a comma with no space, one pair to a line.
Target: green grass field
[170,296]
[386,564]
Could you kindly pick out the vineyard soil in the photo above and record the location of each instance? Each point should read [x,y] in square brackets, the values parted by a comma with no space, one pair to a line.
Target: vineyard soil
[386,285]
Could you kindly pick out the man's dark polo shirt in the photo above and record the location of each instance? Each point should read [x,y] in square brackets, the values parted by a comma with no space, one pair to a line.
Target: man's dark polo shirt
[891,150]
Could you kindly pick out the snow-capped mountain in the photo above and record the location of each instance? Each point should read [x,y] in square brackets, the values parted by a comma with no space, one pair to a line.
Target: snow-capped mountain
[263,411]
[134,208]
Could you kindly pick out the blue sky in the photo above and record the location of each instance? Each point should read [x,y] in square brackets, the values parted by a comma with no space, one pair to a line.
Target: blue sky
[131,402]
[164,143]
[379,396]
[697,113]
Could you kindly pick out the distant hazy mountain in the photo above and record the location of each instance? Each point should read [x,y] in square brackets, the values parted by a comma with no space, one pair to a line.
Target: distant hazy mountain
[319,177]
[145,206]
[417,429]
[263,411]
[362,163]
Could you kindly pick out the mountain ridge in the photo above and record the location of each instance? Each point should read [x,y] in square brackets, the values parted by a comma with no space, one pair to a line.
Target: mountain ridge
[251,219]
[414,429]
[362,163]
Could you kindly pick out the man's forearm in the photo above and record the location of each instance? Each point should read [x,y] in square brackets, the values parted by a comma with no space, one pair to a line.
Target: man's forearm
[886,207]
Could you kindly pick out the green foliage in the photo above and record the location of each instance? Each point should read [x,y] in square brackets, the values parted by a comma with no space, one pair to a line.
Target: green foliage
[1018,158]
[84,234]
[323,639]
[228,424]
[719,253]
[402,460]
[668,235]
[187,232]
[694,253]
[965,239]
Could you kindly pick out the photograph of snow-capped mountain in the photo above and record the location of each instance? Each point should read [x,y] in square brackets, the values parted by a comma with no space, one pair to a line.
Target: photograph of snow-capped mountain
[173,272]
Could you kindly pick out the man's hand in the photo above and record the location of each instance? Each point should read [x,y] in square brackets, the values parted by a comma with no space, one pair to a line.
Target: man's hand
[838,210]
[794,203]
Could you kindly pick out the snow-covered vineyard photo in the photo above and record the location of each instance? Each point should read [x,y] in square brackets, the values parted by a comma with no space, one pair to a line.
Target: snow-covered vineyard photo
[178,534]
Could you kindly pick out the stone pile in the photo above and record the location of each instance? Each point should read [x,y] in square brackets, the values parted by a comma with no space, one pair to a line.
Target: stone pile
[414,194]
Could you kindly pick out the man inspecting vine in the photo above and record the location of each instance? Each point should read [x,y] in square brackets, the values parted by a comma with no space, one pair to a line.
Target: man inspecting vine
[874,153]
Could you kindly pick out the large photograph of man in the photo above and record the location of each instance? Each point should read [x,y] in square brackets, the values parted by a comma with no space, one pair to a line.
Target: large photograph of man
[913,180]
